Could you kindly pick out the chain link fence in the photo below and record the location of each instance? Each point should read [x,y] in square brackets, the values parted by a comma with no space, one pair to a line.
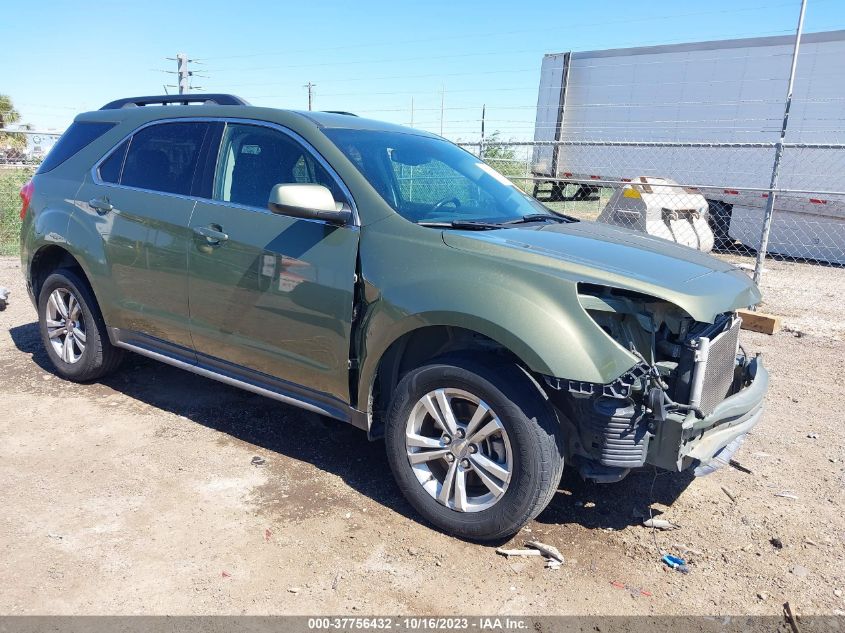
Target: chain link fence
[12,177]
[710,196]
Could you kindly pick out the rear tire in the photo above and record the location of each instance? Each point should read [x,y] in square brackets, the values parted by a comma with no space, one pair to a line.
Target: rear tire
[72,329]
[508,476]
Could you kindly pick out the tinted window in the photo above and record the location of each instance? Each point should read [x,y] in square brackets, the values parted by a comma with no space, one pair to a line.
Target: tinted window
[111,167]
[164,157]
[77,136]
[254,159]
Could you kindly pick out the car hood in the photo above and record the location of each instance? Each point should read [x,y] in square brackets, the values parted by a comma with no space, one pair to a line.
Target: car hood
[592,252]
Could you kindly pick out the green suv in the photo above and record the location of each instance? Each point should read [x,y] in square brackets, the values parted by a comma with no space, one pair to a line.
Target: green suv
[383,276]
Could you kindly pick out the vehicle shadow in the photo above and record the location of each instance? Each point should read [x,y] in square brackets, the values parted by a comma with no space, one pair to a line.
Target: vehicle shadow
[616,505]
[339,448]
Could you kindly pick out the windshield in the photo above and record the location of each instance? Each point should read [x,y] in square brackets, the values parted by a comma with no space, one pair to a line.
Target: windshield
[430,180]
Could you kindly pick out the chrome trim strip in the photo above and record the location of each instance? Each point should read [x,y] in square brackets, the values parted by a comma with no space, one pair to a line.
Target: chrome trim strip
[234,382]
[95,176]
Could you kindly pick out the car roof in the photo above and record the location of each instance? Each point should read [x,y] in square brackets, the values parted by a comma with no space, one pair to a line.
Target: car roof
[295,119]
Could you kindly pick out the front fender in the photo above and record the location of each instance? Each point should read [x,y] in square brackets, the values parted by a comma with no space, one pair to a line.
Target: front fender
[537,318]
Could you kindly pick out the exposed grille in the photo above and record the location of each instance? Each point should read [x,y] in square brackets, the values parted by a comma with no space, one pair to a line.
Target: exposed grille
[718,368]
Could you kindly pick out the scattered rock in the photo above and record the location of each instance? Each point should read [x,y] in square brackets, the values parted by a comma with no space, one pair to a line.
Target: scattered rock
[414,551]
[800,571]
[837,593]
[762,597]
[659,524]
[813,436]
[776,542]
[258,461]
[294,590]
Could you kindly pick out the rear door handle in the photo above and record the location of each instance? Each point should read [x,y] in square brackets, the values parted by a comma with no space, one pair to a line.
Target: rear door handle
[213,234]
[100,205]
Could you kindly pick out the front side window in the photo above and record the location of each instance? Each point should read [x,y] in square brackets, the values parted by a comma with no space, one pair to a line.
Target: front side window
[163,157]
[254,159]
[427,179]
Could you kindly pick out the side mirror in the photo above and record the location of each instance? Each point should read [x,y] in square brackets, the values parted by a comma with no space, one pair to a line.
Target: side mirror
[314,202]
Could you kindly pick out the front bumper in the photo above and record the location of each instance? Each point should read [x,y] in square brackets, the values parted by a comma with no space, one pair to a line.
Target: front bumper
[685,441]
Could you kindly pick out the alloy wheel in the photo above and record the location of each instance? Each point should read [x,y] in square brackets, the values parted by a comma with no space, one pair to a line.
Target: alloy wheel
[459,450]
[65,325]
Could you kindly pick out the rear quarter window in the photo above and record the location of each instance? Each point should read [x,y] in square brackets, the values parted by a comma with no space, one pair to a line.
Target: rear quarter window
[80,134]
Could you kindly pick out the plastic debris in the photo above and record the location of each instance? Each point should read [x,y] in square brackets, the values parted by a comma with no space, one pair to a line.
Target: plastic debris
[634,591]
[659,524]
[673,562]
[258,461]
[786,495]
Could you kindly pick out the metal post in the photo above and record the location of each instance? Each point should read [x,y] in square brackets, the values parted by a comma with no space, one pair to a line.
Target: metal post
[770,201]
[442,102]
[481,142]
[183,73]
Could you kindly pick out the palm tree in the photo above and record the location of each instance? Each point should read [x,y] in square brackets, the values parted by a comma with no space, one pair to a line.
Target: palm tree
[8,115]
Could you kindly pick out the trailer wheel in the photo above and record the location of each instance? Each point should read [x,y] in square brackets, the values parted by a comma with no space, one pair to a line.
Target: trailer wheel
[719,218]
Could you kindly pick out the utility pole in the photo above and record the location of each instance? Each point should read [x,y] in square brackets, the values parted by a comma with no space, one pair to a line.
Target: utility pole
[183,73]
[481,144]
[310,87]
[442,102]
[412,112]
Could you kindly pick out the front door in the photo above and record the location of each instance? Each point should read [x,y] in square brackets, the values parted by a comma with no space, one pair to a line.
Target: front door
[270,293]
[139,201]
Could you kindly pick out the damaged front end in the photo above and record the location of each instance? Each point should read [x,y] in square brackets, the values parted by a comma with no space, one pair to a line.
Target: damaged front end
[689,399]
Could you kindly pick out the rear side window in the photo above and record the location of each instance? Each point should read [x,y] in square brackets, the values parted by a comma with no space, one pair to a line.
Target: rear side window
[78,135]
[111,168]
[164,157]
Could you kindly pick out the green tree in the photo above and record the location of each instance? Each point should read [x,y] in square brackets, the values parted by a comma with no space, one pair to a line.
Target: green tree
[504,159]
[8,115]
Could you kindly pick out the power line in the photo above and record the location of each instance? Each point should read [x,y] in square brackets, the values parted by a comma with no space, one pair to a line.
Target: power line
[533,31]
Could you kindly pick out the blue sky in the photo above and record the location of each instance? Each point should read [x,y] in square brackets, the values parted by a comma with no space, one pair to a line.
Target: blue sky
[369,57]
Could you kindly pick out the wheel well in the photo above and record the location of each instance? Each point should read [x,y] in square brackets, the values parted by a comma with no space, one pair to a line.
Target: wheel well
[48,260]
[413,350]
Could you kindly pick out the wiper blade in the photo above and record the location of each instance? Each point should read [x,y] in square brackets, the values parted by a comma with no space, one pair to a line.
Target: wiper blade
[539,217]
[466,225]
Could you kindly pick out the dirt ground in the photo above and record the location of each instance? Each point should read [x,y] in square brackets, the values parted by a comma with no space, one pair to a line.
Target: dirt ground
[139,495]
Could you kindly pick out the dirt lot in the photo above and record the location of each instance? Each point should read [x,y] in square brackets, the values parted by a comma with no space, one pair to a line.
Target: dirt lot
[138,495]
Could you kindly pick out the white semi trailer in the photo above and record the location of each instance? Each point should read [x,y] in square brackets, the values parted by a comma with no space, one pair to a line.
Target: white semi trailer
[706,115]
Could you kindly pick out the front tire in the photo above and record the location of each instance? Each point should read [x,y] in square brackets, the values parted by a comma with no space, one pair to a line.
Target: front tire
[73,330]
[474,446]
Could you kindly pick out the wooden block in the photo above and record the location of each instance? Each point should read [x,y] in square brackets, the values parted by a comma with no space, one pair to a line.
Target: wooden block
[759,321]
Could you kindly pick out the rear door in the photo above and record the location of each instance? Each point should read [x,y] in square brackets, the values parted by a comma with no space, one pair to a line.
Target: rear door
[271,295]
[139,198]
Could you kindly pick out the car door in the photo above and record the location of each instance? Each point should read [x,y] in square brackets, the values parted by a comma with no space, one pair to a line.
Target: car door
[271,295]
[139,200]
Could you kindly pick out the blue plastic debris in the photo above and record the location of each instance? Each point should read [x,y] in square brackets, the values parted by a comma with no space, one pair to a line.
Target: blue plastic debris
[676,563]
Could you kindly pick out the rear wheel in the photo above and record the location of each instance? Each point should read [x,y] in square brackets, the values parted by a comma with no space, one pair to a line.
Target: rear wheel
[72,329]
[474,447]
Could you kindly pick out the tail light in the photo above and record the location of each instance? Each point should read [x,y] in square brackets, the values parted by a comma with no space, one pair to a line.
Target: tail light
[26,197]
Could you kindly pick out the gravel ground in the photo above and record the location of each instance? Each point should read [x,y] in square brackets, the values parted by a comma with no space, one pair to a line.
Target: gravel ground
[139,495]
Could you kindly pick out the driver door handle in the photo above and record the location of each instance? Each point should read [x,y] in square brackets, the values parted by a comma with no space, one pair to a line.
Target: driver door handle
[213,234]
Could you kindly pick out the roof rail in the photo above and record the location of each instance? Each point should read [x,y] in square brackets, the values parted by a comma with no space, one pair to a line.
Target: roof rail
[340,112]
[183,99]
